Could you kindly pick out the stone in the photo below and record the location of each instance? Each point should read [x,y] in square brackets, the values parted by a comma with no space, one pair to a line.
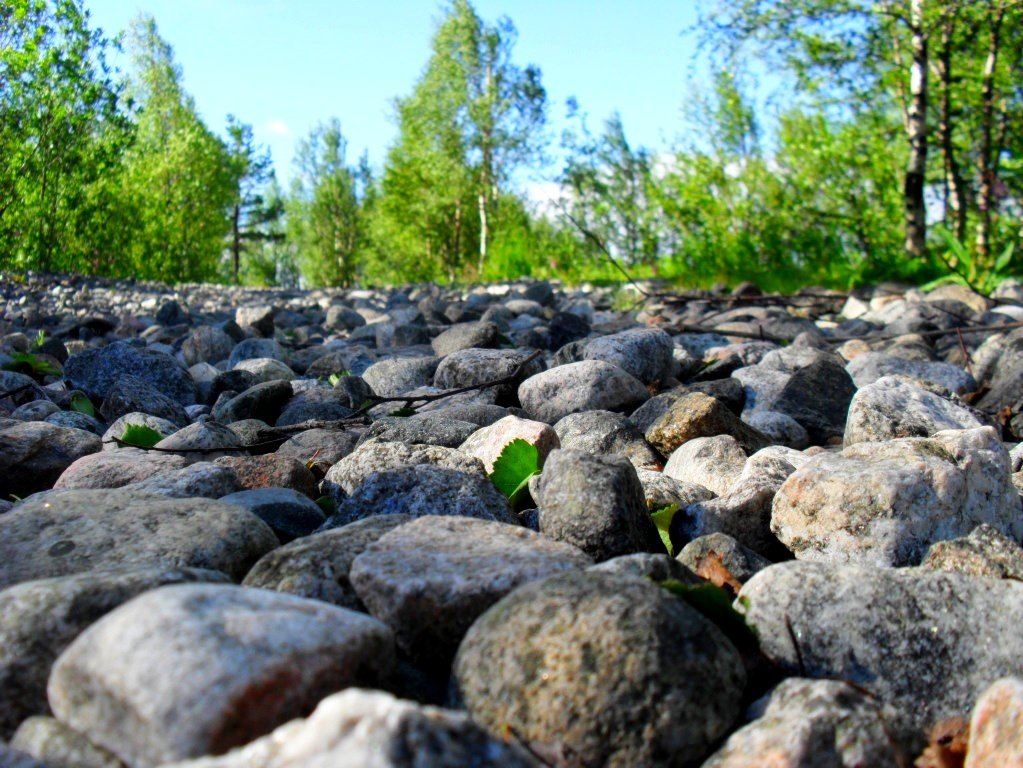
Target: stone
[927,643]
[614,670]
[647,565]
[473,335]
[76,420]
[342,318]
[271,471]
[289,514]
[317,566]
[394,376]
[138,681]
[95,371]
[374,729]
[871,366]
[69,532]
[316,404]
[206,344]
[423,489]
[698,415]
[984,553]
[323,447]
[714,463]
[37,410]
[57,746]
[15,758]
[813,724]
[595,503]
[39,619]
[265,369]
[115,431]
[203,441]
[659,490]
[606,433]
[376,456]
[742,562]
[422,429]
[779,428]
[645,353]
[894,407]
[589,385]
[430,579]
[260,318]
[884,504]
[818,396]
[487,443]
[996,725]
[117,468]
[253,348]
[472,367]
[131,394]
[34,454]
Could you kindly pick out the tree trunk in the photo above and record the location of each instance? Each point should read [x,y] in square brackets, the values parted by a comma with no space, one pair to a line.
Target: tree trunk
[916,124]
[986,163]
[955,188]
[236,239]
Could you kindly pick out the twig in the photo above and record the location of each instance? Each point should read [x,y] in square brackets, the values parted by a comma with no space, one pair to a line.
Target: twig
[758,335]
[967,360]
[16,390]
[795,646]
[600,244]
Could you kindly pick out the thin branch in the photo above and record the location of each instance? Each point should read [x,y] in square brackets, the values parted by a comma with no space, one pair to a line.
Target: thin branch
[600,244]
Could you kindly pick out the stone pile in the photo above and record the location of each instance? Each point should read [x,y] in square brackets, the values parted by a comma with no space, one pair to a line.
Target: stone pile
[309,564]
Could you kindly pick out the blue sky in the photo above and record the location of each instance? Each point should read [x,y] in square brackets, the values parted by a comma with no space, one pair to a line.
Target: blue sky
[285,65]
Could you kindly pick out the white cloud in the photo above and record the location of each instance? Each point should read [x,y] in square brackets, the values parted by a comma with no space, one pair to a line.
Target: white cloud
[278,128]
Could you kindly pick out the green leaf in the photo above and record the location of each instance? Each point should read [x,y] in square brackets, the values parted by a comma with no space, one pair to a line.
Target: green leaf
[1003,260]
[326,504]
[82,404]
[519,461]
[662,519]
[716,604]
[335,378]
[140,436]
[35,365]
[402,412]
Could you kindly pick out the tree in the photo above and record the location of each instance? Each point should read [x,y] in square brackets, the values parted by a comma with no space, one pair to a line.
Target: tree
[60,132]
[324,219]
[252,213]
[178,179]
[471,121]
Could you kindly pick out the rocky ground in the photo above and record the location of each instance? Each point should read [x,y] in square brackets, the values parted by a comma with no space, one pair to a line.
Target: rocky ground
[314,567]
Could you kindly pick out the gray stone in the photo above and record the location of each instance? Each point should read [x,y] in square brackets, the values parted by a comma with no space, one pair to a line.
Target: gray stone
[342,318]
[661,490]
[487,443]
[645,353]
[818,397]
[15,758]
[39,619]
[202,479]
[37,410]
[869,367]
[472,367]
[68,532]
[605,433]
[614,670]
[475,335]
[646,565]
[894,407]
[95,371]
[34,454]
[259,318]
[252,348]
[131,394]
[345,476]
[742,562]
[289,514]
[422,428]
[316,404]
[117,468]
[262,401]
[76,420]
[696,415]
[203,441]
[589,385]
[317,566]
[265,369]
[984,553]
[813,724]
[595,503]
[714,463]
[58,746]
[206,344]
[779,428]
[395,376]
[375,730]
[925,642]
[116,430]
[423,489]
[886,503]
[762,385]
[192,670]
[323,447]
[430,579]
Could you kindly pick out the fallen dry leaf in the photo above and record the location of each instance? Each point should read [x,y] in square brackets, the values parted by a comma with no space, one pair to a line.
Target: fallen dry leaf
[947,745]
[712,568]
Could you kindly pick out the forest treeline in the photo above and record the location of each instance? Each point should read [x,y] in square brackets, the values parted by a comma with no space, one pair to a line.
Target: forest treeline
[897,154]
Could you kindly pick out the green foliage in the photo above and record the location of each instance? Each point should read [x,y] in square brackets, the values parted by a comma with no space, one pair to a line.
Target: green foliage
[519,461]
[140,436]
[326,505]
[716,604]
[968,268]
[403,412]
[26,362]
[335,378]
[40,339]
[662,519]
[82,404]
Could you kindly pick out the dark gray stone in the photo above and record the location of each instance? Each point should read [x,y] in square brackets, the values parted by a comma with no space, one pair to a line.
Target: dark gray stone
[95,371]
